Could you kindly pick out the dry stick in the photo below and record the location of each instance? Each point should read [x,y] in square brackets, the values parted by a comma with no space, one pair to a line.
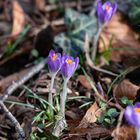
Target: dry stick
[118,106]
[108,103]
[89,61]
[71,4]
[34,70]
[18,97]
[119,121]
[13,120]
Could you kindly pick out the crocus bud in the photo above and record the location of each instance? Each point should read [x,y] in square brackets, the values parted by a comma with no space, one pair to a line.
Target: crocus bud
[132,115]
[54,62]
[69,65]
[105,11]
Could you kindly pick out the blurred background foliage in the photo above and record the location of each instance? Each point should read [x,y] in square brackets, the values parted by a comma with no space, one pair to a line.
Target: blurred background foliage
[131,8]
[77,25]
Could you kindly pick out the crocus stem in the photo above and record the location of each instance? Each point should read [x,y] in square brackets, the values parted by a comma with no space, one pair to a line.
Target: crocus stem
[95,41]
[50,99]
[63,97]
[138,133]
[61,124]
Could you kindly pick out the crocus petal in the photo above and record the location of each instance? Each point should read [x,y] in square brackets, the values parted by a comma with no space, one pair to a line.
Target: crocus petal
[105,11]
[71,58]
[59,55]
[136,119]
[128,115]
[54,64]
[64,57]
[100,12]
[132,114]
[114,8]
[76,62]
[137,105]
[99,4]
[108,15]
[67,69]
[51,52]
[69,66]
[107,3]
[136,115]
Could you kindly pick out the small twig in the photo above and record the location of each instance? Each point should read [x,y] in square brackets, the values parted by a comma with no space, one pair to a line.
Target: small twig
[119,121]
[107,102]
[34,70]
[67,4]
[13,120]
[58,22]
[18,97]
[89,61]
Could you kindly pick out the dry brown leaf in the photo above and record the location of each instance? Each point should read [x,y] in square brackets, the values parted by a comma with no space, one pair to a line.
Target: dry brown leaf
[84,82]
[125,88]
[95,132]
[123,37]
[18,18]
[91,116]
[125,133]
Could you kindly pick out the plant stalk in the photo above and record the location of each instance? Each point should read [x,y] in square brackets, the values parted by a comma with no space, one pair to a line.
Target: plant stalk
[137,133]
[50,98]
[95,41]
[51,89]
[61,124]
[63,97]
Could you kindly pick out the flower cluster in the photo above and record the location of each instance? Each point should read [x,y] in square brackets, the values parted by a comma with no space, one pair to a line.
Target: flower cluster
[66,64]
[105,11]
[132,115]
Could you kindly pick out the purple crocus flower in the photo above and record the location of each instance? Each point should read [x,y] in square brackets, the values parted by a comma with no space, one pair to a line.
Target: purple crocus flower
[132,114]
[105,11]
[54,62]
[69,65]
